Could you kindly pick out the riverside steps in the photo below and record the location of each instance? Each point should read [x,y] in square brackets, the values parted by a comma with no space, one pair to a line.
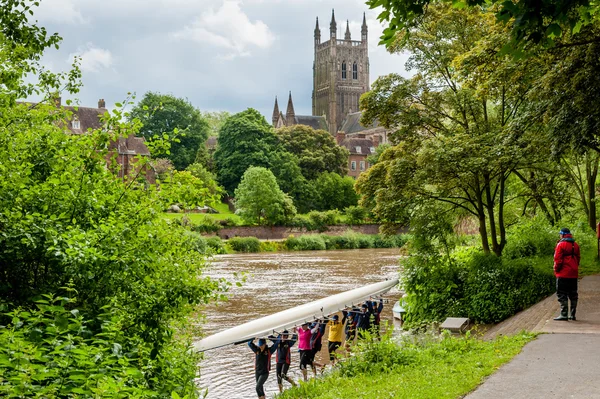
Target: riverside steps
[564,360]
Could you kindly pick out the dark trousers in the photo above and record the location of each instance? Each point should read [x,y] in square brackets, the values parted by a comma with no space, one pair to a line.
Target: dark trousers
[333,346]
[566,289]
[282,370]
[260,382]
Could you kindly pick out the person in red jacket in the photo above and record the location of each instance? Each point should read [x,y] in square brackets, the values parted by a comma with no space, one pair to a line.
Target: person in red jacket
[566,270]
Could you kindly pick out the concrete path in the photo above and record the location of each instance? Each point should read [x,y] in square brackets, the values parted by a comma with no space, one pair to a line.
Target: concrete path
[562,363]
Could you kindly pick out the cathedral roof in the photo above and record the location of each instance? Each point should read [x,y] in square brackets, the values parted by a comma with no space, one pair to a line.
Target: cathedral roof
[316,122]
[358,145]
[352,124]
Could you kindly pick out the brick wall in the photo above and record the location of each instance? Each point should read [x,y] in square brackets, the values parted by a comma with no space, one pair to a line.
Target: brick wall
[282,232]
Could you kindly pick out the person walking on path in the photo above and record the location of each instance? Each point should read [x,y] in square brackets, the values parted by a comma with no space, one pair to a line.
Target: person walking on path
[262,363]
[336,334]
[283,359]
[566,270]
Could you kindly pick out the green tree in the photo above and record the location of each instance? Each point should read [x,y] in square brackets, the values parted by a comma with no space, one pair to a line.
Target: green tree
[67,220]
[334,191]
[215,121]
[260,200]
[245,140]
[454,143]
[164,115]
[187,190]
[208,179]
[531,21]
[316,150]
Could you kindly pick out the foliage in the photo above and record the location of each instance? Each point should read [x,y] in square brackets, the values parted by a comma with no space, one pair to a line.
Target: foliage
[66,218]
[216,245]
[163,168]
[334,191]
[454,143]
[530,21]
[305,243]
[189,191]
[316,150]
[244,244]
[316,221]
[245,140]
[348,240]
[380,149]
[355,214]
[54,351]
[485,288]
[206,225]
[531,238]
[215,121]
[166,116]
[284,166]
[208,178]
[422,368]
[259,199]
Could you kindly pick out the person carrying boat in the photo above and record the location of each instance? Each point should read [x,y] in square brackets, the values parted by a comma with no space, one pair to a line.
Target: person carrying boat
[363,319]
[304,335]
[376,319]
[316,343]
[262,363]
[283,358]
[350,328]
[336,331]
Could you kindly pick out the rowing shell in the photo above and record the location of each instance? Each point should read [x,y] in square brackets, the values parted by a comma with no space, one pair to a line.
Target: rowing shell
[294,317]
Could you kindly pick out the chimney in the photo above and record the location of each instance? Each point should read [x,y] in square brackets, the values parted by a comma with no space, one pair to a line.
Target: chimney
[339,137]
[101,103]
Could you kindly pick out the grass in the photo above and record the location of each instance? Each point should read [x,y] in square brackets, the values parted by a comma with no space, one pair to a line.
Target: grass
[447,369]
[198,217]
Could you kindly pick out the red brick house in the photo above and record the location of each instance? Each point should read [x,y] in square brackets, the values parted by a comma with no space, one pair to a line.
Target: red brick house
[360,148]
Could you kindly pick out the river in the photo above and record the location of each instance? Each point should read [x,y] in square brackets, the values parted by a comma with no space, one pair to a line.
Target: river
[275,282]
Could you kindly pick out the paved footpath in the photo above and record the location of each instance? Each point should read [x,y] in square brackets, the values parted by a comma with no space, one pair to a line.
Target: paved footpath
[564,362]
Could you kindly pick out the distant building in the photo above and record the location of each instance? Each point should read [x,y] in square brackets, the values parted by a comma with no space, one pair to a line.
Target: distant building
[360,148]
[127,149]
[352,127]
[290,118]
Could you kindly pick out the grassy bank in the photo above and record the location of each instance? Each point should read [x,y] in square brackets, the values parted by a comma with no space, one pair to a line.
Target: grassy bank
[311,242]
[446,368]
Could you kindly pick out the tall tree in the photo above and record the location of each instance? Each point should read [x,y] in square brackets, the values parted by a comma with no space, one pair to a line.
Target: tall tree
[453,144]
[260,200]
[177,118]
[316,150]
[245,139]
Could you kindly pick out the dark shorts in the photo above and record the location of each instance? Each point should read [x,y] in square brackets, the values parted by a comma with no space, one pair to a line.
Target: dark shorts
[282,370]
[306,358]
[333,346]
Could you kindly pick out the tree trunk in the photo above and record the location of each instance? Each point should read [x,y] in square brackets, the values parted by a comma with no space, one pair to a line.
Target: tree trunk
[591,169]
[491,214]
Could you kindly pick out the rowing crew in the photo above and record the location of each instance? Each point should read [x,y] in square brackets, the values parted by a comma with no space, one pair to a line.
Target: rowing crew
[309,343]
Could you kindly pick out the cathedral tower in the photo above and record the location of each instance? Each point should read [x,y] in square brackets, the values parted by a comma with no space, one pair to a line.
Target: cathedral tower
[340,73]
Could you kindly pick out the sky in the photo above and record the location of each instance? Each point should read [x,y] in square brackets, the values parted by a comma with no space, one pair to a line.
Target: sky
[221,55]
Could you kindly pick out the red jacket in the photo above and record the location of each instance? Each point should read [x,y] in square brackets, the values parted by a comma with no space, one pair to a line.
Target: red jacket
[566,258]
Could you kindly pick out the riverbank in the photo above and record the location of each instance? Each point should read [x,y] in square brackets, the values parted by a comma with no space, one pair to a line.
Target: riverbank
[309,242]
[446,367]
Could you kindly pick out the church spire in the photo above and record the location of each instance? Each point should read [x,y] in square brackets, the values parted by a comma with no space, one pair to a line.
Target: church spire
[290,116]
[333,25]
[317,33]
[364,30]
[347,36]
[275,113]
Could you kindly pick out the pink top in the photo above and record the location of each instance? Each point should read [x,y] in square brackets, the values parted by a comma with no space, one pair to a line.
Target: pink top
[304,339]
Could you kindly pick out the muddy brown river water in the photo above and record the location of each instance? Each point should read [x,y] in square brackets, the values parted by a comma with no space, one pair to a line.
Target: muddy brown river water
[275,282]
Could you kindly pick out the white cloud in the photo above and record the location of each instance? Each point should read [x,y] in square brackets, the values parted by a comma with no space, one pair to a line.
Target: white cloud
[93,59]
[61,11]
[228,28]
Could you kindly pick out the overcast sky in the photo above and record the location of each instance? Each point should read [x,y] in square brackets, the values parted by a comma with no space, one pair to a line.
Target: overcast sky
[219,54]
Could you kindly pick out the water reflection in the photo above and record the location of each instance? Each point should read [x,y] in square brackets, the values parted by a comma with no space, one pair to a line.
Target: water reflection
[279,281]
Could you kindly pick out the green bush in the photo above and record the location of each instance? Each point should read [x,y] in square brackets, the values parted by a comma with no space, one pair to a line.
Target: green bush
[305,243]
[50,351]
[532,238]
[485,288]
[216,245]
[269,246]
[319,220]
[206,225]
[244,244]
[199,243]
[355,214]
[302,222]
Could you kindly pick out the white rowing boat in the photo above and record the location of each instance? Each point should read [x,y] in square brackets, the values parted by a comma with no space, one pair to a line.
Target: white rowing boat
[294,317]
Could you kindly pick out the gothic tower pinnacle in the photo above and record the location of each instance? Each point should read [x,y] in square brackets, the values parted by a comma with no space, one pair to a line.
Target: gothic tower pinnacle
[347,36]
[275,112]
[317,33]
[332,25]
[290,115]
[364,30]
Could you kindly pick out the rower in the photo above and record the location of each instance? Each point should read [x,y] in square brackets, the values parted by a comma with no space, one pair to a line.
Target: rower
[262,363]
[283,359]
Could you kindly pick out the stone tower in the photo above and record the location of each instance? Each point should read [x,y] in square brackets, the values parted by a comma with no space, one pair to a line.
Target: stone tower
[340,73]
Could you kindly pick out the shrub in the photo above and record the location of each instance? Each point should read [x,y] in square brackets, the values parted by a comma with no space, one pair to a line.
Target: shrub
[302,222]
[199,242]
[532,238]
[216,245]
[485,288]
[206,225]
[244,244]
[355,214]
[269,246]
[319,220]
[305,243]
[229,222]
[50,351]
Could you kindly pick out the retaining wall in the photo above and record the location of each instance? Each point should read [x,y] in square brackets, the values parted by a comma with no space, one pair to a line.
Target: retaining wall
[282,232]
